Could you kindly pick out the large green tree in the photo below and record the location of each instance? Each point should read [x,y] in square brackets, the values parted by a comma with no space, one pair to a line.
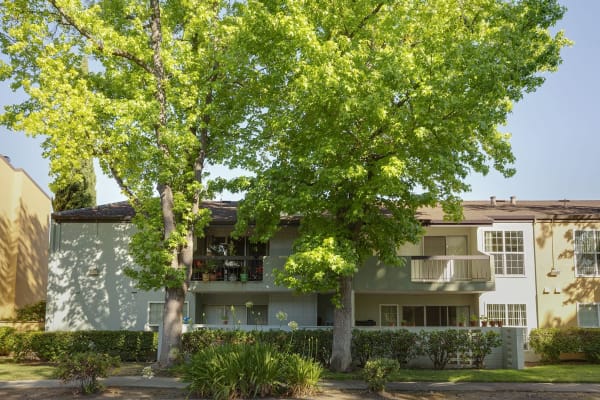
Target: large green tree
[155,90]
[378,108]
[78,191]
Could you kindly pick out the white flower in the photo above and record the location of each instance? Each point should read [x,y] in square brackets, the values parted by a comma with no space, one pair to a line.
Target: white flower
[281,315]
[249,304]
[293,325]
[147,372]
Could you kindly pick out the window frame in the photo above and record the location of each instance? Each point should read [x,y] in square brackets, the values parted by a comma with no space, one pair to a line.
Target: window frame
[186,311]
[597,306]
[381,306]
[504,253]
[503,309]
[595,253]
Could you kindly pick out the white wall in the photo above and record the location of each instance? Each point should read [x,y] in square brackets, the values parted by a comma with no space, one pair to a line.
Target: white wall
[87,288]
[514,289]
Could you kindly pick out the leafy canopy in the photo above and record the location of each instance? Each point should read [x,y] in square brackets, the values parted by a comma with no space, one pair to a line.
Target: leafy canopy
[377,108]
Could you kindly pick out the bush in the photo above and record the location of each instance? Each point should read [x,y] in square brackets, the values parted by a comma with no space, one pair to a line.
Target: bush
[311,344]
[238,370]
[51,346]
[32,313]
[398,344]
[86,368]
[377,372]
[481,345]
[441,345]
[549,343]
[6,340]
[590,344]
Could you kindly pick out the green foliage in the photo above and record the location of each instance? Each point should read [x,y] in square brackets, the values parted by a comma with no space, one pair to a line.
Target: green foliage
[481,344]
[86,368]
[6,340]
[400,345]
[440,345]
[550,343]
[377,372]
[246,371]
[78,191]
[370,118]
[32,313]
[311,344]
[51,346]
[590,344]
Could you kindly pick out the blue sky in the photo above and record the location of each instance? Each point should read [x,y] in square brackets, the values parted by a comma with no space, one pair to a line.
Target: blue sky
[556,135]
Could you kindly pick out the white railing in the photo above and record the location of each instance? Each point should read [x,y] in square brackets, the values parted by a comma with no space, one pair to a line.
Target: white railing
[451,268]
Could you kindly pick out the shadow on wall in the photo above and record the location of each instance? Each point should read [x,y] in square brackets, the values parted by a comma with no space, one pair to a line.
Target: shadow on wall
[567,241]
[582,290]
[23,260]
[87,288]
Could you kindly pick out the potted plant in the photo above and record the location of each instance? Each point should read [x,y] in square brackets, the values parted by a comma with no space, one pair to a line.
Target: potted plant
[212,270]
[474,320]
[244,273]
[492,323]
[499,323]
[483,320]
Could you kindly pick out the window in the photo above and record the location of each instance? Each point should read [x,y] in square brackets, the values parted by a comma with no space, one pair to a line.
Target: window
[587,253]
[435,315]
[257,315]
[509,314]
[587,315]
[388,314]
[507,249]
[155,312]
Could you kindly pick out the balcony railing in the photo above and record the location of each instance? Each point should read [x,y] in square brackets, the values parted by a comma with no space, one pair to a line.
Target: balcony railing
[227,268]
[451,268]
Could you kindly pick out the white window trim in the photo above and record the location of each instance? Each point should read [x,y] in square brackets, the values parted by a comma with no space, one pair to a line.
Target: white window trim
[186,310]
[504,274]
[577,274]
[506,317]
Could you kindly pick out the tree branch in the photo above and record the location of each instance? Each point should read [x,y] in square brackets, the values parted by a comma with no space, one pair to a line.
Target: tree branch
[98,43]
[365,19]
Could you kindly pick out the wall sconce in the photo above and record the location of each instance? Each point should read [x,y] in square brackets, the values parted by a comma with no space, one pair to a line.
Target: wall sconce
[546,290]
[554,272]
[557,290]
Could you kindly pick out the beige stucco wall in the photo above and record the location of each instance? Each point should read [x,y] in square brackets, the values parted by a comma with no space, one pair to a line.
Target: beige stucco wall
[24,216]
[558,296]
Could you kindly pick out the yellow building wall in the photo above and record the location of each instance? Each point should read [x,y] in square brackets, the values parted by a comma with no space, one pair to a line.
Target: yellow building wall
[558,295]
[24,217]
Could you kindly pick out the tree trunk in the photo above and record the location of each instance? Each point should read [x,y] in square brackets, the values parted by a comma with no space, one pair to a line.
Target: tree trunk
[172,325]
[341,357]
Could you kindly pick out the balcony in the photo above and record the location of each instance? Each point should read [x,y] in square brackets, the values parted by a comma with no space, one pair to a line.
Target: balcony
[476,268]
[227,268]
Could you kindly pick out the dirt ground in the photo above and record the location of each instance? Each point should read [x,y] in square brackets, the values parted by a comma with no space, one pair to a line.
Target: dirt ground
[177,394]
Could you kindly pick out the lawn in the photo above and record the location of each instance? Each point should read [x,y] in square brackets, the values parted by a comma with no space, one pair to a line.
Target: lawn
[561,373]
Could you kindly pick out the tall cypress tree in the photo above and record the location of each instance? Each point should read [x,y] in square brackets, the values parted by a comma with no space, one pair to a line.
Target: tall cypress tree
[79,192]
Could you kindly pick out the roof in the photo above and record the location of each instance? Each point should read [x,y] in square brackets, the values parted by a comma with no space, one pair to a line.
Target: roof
[475,212]
[223,212]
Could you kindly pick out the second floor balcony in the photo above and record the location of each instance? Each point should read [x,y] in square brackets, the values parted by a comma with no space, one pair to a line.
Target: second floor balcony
[451,268]
[228,268]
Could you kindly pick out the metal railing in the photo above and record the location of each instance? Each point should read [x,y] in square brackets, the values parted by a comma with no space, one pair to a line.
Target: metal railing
[227,268]
[451,268]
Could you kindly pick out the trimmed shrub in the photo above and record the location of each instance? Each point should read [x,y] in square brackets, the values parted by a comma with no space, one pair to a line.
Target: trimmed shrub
[440,346]
[549,343]
[481,345]
[86,368]
[246,371]
[590,344]
[51,346]
[397,344]
[377,372]
[6,340]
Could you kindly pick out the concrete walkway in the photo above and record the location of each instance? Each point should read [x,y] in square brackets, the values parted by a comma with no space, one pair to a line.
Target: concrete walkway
[163,382]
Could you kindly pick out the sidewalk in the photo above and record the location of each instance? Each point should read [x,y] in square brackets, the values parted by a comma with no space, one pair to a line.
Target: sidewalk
[163,382]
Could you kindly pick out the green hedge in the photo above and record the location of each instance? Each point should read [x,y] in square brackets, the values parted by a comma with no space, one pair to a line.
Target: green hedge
[6,340]
[550,343]
[50,346]
[401,345]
